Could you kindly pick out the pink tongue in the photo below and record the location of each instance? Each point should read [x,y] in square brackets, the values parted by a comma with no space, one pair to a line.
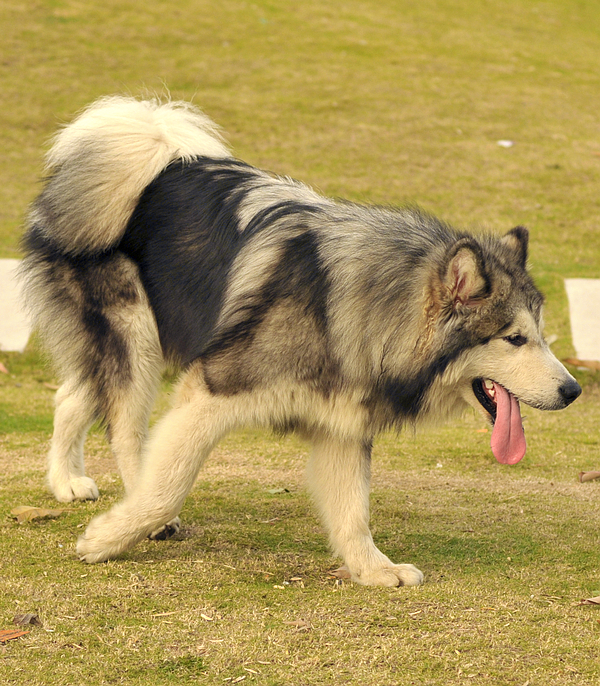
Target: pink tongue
[508,439]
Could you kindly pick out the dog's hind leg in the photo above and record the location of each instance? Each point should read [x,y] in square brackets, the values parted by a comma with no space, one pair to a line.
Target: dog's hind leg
[127,427]
[179,444]
[74,414]
[127,422]
[122,404]
[339,478]
[126,417]
[127,404]
[107,347]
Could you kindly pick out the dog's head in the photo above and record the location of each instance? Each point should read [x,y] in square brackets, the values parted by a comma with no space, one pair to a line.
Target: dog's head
[490,301]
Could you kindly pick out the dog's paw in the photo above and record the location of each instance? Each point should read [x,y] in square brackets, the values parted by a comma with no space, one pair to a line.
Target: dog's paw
[75,488]
[169,529]
[89,551]
[106,537]
[390,575]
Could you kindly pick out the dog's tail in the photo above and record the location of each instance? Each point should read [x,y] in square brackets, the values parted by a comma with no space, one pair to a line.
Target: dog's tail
[101,162]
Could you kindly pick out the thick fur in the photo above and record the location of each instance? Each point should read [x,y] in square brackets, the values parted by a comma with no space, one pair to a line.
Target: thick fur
[151,244]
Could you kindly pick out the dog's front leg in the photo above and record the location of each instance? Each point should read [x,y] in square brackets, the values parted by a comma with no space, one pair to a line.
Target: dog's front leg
[339,478]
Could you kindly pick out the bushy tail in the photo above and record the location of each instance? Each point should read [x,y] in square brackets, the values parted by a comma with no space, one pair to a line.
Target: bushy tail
[101,162]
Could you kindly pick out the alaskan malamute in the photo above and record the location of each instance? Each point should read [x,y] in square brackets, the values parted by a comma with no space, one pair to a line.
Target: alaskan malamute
[151,244]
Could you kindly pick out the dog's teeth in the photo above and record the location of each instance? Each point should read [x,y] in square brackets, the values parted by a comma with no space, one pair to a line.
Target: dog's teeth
[489,387]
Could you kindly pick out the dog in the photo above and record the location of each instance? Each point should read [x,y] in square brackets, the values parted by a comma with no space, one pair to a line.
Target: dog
[151,245]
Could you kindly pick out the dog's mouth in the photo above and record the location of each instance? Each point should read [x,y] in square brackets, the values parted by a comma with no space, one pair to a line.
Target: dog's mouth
[508,439]
[485,394]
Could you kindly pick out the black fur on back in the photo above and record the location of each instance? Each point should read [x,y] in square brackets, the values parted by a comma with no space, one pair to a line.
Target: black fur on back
[185,235]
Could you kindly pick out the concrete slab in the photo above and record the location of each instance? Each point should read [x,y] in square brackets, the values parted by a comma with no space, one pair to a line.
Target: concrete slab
[14,326]
[584,308]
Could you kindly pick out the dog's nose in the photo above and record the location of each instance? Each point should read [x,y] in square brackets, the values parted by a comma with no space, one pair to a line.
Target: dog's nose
[570,391]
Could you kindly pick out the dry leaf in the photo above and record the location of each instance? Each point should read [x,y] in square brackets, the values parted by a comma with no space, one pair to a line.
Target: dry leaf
[341,573]
[3,369]
[26,513]
[51,386]
[300,624]
[10,634]
[588,364]
[591,601]
[268,521]
[588,476]
[275,491]
[23,620]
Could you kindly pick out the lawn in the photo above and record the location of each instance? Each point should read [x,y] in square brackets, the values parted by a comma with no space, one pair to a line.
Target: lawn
[386,102]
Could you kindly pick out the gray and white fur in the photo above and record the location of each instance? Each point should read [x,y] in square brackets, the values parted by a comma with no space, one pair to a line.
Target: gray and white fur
[151,244]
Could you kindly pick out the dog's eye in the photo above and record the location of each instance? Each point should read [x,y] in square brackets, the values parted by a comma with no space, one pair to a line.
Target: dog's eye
[517,340]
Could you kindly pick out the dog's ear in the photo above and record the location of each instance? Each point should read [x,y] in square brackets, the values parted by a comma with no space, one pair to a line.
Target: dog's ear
[517,239]
[465,278]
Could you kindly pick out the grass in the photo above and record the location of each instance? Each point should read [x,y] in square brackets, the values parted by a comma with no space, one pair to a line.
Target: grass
[379,102]
[244,589]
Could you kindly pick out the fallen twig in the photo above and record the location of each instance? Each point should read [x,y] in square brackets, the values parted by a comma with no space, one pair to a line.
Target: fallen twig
[588,476]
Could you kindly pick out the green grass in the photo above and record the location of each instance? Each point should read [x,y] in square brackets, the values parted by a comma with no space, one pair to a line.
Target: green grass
[388,102]
[244,589]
